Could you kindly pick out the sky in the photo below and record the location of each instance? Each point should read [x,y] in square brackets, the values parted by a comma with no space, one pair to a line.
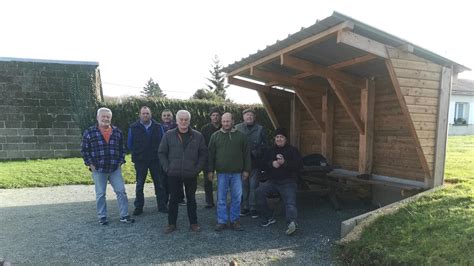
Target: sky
[174,42]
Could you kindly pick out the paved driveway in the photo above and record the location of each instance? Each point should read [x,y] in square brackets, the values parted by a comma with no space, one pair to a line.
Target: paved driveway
[58,225]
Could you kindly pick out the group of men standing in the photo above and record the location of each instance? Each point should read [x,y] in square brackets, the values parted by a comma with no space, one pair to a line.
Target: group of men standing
[175,154]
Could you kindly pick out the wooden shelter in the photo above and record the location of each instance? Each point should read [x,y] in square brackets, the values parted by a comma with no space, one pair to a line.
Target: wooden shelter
[370,102]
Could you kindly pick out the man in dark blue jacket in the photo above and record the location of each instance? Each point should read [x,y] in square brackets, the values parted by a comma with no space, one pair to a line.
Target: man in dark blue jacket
[144,137]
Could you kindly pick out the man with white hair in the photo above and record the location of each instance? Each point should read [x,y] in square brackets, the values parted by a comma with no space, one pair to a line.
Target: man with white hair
[182,154]
[103,152]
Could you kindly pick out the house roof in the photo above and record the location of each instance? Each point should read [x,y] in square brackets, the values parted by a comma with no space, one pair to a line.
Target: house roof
[359,28]
[47,61]
[463,87]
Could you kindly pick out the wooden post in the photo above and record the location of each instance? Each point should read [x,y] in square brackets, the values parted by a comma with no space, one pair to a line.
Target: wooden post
[442,128]
[295,122]
[327,136]
[367,104]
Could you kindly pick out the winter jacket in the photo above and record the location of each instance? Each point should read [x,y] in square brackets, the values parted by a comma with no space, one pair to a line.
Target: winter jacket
[257,139]
[229,152]
[288,172]
[182,159]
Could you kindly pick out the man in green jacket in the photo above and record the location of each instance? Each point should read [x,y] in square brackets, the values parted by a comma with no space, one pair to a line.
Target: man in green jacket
[229,156]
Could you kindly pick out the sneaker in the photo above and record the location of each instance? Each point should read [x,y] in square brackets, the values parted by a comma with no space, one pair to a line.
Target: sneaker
[170,228]
[244,212]
[268,222]
[195,228]
[291,228]
[127,219]
[236,226]
[137,211]
[209,206]
[253,214]
[182,203]
[220,227]
[103,221]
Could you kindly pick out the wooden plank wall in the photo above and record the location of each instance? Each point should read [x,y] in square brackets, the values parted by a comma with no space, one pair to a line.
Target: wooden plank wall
[310,133]
[346,135]
[419,81]
[394,152]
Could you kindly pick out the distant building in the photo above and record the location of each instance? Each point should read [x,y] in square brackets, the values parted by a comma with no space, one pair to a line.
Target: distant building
[461,108]
[45,105]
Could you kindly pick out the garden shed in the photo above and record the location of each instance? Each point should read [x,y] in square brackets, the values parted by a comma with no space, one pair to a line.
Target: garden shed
[368,101]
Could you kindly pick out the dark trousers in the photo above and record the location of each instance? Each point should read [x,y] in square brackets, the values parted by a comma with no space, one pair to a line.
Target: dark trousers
[190,186]
[208,190]
[287,193]
[141,169]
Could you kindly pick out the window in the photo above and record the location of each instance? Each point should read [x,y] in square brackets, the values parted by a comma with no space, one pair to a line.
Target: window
[461,113]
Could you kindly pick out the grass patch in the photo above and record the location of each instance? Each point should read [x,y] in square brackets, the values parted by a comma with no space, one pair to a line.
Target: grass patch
[52,172]
[437,229]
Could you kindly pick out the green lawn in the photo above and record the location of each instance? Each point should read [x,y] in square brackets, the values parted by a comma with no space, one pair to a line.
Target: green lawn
[437,229]
[44,173]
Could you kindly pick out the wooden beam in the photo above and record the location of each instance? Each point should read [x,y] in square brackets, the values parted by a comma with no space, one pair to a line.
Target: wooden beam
[284,80]
[406,113]
[442,128]
[407,48]
[321,71]
[346,103]
[353,61]
[362,43]
[258,87]
[327,137]
[309,107]
[367,104]
[346,25]
[269,109]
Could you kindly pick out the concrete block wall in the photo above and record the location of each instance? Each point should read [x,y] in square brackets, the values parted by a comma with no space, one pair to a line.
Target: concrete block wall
[38,107]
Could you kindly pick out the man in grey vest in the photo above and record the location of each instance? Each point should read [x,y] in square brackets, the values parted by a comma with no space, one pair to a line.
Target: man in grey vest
[257,142]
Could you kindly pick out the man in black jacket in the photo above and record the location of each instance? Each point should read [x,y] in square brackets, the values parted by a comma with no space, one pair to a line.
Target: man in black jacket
[207,132]
[281,164]
[183,154]
[144,137]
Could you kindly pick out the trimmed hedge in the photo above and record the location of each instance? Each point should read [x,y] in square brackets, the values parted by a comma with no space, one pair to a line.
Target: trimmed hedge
[126,111]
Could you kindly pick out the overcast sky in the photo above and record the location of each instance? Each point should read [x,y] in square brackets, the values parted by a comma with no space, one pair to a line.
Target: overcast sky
[174,42]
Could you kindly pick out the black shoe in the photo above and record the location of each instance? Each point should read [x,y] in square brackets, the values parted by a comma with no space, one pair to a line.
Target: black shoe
[137,211]
[268,222]
[244,212]
[253,214]
[209,206]
[127,219]
[103,221]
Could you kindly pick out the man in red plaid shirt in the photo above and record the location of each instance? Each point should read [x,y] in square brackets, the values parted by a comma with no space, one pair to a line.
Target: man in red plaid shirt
[103,152]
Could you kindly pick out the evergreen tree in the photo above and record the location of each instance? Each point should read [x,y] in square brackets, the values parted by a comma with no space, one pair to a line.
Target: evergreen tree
[217,79]
[205,94]
[152,89]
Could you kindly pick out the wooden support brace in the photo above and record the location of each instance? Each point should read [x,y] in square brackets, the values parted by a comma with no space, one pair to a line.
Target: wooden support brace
[309,107]
[367,104]
[269,109]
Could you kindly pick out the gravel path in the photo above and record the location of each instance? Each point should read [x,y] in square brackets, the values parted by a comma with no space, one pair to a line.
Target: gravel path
[58,225]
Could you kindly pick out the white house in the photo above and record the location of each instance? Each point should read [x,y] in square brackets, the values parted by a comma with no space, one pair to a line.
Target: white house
[461,108]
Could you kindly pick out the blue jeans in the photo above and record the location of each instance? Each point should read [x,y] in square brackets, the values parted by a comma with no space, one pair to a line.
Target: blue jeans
[116,180]
[224,182]
[141,169]
[250,185]
[287,193]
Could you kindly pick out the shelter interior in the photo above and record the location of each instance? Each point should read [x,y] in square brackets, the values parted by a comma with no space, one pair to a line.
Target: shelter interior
[368,101]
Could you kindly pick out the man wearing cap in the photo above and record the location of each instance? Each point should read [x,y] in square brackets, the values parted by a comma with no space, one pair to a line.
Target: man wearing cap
[257,141]
[281,163]
[207,131]
[229,156]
